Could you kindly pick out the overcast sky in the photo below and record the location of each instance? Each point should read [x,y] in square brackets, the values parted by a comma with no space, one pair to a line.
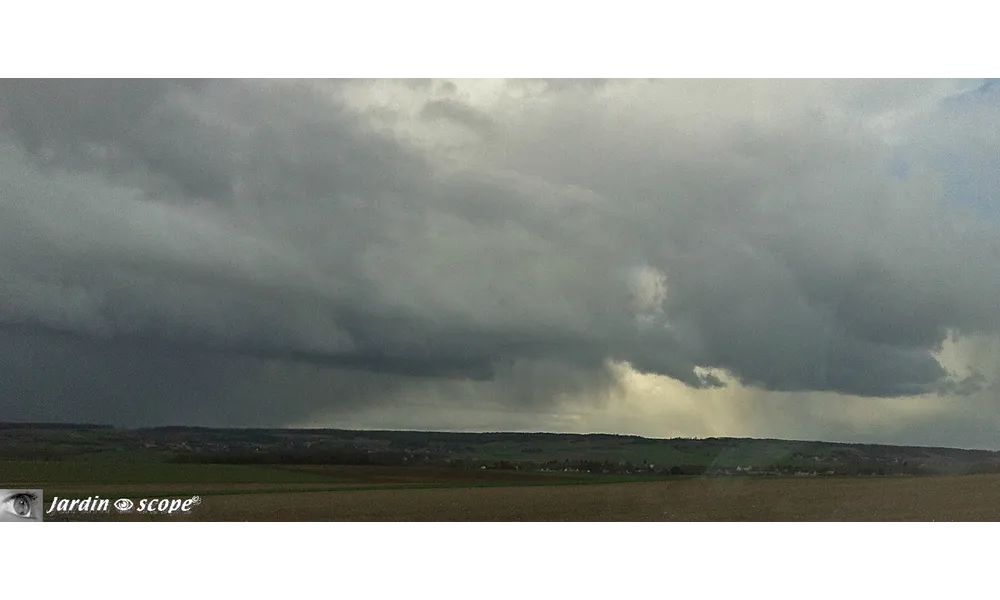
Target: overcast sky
[798,258]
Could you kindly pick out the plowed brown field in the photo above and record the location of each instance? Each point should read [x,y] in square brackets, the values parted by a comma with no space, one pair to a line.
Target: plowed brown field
[960,498]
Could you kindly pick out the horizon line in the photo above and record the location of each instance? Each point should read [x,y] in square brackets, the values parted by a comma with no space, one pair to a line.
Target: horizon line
[67,424]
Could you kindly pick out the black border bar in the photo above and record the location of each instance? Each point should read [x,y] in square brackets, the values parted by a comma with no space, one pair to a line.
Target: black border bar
[516,526]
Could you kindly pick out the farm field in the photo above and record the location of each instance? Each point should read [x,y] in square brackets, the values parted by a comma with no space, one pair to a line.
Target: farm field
[79,479]
[944,498]
[323,475]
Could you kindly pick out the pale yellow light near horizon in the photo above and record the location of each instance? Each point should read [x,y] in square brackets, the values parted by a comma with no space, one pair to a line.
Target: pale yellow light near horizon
[658,406]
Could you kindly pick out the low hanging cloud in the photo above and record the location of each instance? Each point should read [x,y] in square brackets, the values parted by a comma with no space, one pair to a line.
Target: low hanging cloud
[260,252]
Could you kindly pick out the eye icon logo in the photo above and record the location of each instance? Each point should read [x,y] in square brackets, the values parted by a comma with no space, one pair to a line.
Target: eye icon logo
[124,504]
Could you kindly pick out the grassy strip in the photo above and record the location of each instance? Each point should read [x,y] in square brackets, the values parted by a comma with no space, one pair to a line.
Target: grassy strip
[365,488]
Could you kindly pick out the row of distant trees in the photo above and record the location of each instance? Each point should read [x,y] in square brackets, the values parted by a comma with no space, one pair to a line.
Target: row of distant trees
[350,456]
[293,457]
[393,458]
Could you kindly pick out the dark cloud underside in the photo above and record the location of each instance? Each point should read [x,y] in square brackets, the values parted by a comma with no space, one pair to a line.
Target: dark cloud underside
[166,246]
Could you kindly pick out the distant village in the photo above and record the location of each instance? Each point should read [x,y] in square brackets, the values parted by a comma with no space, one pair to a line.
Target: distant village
[304,448]
[542,452]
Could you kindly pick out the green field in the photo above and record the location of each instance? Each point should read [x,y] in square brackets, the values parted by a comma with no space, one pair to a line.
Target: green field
[79,479]
[66,473]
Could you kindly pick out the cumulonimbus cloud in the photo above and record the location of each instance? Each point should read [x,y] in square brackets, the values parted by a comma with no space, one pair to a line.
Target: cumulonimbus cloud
[799,236]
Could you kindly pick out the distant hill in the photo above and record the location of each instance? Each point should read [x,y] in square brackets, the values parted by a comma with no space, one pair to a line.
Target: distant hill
[596,453]
[54,426]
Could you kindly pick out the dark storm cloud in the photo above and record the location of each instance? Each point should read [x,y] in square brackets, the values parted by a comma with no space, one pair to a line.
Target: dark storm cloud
[793,260]
[128,127]
[110,233]
[136,381]
[171,242]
